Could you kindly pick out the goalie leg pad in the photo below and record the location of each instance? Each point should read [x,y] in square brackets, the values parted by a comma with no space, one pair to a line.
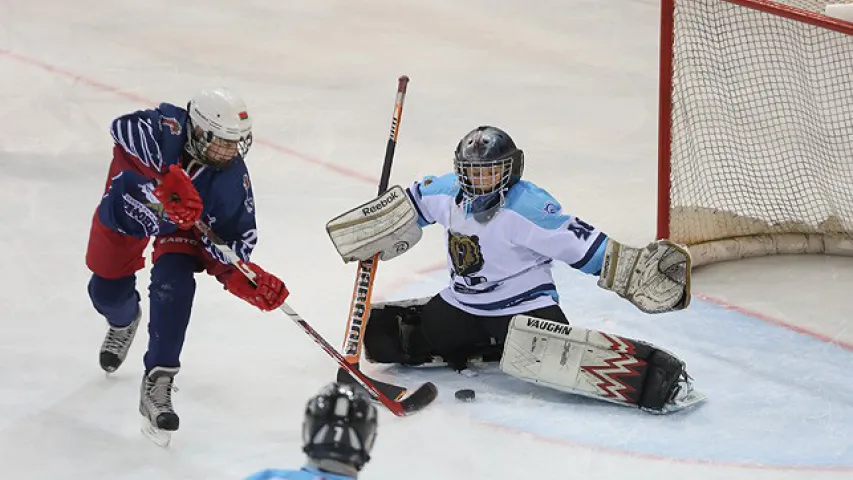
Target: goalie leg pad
[393,333]
[591,363]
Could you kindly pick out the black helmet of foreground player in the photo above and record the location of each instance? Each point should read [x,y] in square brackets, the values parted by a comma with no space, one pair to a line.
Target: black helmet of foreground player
[339,429]
[487,164]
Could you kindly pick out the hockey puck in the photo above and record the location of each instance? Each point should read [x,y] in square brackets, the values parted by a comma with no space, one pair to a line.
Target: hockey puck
[465,395]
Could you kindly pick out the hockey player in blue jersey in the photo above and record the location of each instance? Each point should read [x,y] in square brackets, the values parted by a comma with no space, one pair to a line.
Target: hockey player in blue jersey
[172,167]
[338,433]
[503,235]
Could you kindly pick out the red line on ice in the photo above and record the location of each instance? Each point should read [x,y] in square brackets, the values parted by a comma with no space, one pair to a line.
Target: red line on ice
[103,87]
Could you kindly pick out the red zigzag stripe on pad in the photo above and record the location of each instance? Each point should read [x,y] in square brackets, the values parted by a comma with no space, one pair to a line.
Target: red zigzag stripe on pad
[616,368]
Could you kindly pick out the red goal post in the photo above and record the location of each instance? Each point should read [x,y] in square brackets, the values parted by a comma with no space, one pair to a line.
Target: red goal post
[755,128]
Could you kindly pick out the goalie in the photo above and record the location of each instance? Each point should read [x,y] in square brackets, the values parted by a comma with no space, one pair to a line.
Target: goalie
[503,234]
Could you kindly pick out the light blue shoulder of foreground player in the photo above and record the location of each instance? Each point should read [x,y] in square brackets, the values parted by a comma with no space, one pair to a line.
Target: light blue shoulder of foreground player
[304,473]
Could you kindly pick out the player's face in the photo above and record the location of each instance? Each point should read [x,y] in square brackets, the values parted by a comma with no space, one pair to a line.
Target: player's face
[485,179]
[218,151]
[221,151]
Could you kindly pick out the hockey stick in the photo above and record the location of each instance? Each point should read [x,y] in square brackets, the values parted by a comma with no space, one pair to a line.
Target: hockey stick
[421,397]
[359,310]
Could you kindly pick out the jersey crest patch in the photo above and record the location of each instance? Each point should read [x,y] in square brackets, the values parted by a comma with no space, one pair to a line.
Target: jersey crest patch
[465,253]
[172,123]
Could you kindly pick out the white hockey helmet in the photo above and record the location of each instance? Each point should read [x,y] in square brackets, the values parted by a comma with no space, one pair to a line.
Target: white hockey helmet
[219,127]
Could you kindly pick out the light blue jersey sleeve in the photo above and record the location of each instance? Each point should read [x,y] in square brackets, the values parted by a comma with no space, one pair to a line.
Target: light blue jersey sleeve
[545,228]
[304,473]
[431,197]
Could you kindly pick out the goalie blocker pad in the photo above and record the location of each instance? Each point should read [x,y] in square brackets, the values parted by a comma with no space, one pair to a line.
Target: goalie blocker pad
[387,225]
[591,363]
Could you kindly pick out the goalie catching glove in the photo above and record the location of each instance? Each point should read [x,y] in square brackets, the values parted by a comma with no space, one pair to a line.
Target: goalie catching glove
[655,278]
[387,225]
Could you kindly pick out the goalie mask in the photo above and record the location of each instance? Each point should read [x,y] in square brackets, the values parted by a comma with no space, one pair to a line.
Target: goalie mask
[487,164]
[339,425]
[219,128]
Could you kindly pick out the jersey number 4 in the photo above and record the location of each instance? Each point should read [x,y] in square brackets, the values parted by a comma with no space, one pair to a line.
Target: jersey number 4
[581,229]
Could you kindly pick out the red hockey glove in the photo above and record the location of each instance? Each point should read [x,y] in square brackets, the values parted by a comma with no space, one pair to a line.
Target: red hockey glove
[180,199]
[269,294]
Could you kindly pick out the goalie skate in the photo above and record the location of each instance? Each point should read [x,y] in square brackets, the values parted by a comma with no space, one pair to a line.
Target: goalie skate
[155,405]
[685,397]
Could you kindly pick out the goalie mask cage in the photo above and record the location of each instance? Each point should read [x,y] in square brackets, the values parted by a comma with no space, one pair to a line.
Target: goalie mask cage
[756,128]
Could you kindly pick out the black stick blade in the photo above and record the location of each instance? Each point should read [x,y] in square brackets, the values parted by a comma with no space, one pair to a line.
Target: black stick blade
[391,391]
[417,401]
[420,398]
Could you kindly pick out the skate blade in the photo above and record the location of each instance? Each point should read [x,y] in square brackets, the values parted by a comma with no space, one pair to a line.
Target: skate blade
[160,437]
[690,400]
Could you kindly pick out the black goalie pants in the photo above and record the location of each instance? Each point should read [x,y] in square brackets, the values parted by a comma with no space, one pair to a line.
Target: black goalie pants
[438,329]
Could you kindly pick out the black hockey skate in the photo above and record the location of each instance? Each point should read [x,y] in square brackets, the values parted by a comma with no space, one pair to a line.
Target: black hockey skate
[116,345]
[155,405]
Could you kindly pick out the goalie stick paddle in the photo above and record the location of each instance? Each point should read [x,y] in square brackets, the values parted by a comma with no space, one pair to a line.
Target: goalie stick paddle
[419,399]
[362,291]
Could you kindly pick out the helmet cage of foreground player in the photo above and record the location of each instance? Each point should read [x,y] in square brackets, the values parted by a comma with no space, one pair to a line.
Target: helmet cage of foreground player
[340,425]
[487,162]
[219,128]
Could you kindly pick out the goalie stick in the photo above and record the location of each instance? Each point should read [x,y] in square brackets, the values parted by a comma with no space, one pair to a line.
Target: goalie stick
[359,309]
[419,399]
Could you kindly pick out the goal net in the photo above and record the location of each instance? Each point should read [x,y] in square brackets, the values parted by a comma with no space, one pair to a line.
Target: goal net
[756,128]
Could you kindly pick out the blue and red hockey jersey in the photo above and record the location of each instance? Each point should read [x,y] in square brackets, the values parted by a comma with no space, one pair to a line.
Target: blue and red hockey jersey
[152,140]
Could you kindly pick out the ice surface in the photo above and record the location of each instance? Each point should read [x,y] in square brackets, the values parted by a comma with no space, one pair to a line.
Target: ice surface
[574,82]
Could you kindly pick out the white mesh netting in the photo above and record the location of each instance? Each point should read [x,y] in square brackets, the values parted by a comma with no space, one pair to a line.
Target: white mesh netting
[761,124]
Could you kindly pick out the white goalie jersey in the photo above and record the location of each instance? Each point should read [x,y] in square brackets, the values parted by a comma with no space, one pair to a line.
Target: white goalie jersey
[503,266]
